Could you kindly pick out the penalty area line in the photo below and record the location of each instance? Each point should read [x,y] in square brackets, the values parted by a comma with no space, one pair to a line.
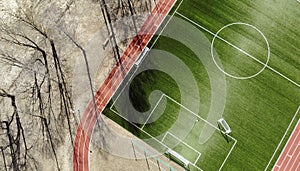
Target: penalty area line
[152,111]
[235,140]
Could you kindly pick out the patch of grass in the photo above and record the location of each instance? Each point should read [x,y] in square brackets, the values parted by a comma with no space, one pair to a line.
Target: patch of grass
[259,109]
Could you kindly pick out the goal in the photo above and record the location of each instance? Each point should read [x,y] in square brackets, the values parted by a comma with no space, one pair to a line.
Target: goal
[225,125]
[178,157]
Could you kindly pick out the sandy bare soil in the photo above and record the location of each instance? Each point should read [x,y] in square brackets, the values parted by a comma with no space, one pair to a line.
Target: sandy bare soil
[117,139]
[82,21]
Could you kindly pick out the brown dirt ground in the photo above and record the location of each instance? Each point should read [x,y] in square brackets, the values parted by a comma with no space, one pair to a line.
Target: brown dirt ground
[83,19]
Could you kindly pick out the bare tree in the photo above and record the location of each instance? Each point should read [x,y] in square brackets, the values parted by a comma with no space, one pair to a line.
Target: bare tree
[45,92]
[15,135]
[40,113]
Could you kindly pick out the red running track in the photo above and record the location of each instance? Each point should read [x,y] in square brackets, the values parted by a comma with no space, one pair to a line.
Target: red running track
[110,85]
[289,159]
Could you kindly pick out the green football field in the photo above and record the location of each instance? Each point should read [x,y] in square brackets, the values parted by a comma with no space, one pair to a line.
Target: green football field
[211,59]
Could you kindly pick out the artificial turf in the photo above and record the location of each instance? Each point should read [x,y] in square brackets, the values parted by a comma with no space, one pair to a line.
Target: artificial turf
[259,109]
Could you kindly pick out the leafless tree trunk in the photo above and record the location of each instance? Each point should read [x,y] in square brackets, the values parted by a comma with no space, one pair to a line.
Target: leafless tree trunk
[16,138]
[47,93]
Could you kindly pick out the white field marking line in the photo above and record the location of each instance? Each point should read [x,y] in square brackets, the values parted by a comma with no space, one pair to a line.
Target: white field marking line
[150,47]
[133,53]
[153,43]
[181,141]
[197,159]
[199,154]
[155,25]
[126,65]
[149,134]
[114,92]
[199,116]
[162,140]
[227,155]
[282,141]
[118,76]
[165,26]
[241,50]
[196,166]
[152,111]
[140,129]
[148,53]
[226,73]
[235,141]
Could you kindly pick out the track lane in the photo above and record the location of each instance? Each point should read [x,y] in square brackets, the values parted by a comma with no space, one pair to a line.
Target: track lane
[105,92]
[289,159]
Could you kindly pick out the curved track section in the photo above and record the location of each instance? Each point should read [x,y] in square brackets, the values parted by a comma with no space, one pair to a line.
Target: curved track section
[110,85]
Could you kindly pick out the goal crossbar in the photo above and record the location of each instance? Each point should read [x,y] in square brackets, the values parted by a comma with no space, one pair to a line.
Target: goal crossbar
[178,156]
[225,125]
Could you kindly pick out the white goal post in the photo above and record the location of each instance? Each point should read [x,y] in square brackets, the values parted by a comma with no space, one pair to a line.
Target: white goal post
[225,125]
[178,156]
[143,54]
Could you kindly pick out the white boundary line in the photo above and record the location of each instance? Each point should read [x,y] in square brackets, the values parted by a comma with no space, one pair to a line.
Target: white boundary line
[169,98]
[228,154]
[96,110]
[235,141]
[162,140]
[165,26]
[152,111]
[150,49]
[198,116]
[226,73]
[146,133]
[277,148]
[230,151]
[181,141]
[197,159]
[257,60]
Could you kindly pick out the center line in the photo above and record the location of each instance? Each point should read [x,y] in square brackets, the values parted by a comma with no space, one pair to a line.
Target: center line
[210,32]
